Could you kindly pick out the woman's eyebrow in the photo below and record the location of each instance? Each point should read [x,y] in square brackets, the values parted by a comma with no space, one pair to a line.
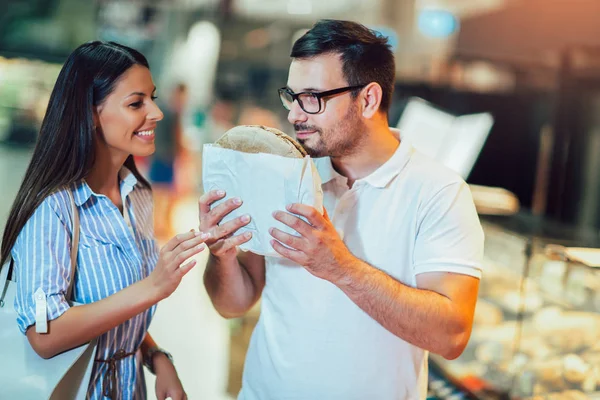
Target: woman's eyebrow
[141,93]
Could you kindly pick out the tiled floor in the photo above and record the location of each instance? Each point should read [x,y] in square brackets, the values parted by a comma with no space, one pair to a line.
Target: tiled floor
[185,324]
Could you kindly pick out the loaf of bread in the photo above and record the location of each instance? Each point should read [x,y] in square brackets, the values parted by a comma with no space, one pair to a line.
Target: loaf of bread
[260,139]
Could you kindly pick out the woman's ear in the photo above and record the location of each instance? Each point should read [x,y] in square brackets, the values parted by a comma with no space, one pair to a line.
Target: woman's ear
[96,117]
[371,99]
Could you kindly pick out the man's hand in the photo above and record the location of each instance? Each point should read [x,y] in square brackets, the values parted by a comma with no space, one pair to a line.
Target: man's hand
[221,240]
[319,248]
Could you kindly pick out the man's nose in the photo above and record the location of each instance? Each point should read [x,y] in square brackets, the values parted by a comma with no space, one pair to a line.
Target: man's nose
[296,113]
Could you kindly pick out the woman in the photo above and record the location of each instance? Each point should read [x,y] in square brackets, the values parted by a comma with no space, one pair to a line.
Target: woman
[100,115]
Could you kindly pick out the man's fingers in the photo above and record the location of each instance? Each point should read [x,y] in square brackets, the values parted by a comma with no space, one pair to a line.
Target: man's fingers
[310,213]
[207,199]
[295,255]
[295,242]
[228,228]
[293,222]
[325,215]
[217,213]
[224,245]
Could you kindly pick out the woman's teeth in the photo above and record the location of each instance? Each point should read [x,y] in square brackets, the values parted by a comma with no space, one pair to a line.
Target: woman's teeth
[145,133]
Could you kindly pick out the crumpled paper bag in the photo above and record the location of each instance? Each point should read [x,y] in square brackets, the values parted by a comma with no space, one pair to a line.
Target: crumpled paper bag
[265,183]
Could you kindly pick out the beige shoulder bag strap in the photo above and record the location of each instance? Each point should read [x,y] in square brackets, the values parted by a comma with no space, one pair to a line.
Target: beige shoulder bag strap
[74,243]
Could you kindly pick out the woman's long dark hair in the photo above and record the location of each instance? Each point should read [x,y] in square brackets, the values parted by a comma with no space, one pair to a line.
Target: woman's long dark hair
[65,148]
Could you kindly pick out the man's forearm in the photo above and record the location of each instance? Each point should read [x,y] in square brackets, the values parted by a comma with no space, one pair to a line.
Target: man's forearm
[229,286]
[421,317]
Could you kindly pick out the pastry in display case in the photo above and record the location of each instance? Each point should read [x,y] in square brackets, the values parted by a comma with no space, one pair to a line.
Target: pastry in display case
[536,330]
[568,325]
[488,366]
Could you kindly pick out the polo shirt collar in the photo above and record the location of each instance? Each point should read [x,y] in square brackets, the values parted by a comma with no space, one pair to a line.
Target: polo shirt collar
[379,178]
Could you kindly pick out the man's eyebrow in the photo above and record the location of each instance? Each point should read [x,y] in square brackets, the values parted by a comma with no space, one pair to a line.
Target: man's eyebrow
[309,89]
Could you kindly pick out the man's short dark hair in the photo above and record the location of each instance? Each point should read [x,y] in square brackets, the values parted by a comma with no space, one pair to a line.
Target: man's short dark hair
[366,55]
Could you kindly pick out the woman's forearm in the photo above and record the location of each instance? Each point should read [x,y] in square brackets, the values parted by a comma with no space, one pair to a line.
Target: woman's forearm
[80,324]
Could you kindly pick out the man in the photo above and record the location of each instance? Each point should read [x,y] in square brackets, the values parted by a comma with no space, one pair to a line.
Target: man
[387,274]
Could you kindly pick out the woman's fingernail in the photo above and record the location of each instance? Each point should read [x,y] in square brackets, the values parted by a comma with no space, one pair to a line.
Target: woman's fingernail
[245,218]
[237,200]
[204,236]
[221,192]
[200,246]
[248,234]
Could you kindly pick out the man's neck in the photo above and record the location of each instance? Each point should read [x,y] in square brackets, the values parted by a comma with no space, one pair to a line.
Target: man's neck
[379,147]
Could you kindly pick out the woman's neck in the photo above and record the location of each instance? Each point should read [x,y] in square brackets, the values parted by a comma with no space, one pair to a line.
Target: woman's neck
[104,176]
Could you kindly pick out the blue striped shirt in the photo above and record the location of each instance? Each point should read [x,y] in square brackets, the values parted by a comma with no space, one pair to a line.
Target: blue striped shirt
[112,255]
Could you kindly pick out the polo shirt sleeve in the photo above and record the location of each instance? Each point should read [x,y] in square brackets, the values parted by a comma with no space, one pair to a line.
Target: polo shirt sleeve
[449,235]
[42,261]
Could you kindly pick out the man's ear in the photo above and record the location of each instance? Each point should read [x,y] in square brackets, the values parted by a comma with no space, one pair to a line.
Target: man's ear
[371,99]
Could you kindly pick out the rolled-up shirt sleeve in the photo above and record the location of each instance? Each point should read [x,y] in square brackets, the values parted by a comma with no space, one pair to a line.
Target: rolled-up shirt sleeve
[449,237]
[42,261]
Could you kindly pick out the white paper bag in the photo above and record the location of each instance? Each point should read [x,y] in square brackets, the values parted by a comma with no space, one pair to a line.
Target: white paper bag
[265,183]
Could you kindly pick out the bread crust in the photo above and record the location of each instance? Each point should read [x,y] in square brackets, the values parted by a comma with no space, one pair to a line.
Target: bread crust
[261,139]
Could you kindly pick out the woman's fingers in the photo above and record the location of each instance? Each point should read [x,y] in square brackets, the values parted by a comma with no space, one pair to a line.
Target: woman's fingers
[180,238]
[185,268]
[188,244]
[181,256]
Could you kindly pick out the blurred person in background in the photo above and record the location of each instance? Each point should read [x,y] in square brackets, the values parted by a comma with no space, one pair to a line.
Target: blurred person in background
[222,115]
[253,114]
[356,301]
[101,113]
[168,156]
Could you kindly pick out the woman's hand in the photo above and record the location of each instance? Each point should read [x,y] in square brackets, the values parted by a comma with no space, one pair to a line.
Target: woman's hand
[168,384]
[168,272]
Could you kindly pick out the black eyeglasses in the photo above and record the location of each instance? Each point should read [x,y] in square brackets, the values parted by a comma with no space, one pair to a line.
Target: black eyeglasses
[310,102]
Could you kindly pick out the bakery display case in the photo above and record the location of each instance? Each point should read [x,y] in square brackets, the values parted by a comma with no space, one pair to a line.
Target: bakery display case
[489,364]
[536,331]
[559,346]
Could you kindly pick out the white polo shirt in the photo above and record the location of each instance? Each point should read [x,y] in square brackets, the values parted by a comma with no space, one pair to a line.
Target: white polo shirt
[408,217]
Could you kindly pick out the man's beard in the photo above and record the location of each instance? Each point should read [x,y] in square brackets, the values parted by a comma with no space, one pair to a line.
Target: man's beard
[341,140]
[316,150]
